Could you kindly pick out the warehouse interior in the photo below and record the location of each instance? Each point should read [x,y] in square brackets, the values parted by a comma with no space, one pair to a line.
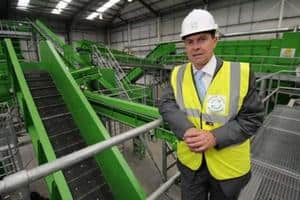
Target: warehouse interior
[81,81]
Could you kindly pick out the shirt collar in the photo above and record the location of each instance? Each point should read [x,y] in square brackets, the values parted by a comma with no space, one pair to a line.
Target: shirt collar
[209,68]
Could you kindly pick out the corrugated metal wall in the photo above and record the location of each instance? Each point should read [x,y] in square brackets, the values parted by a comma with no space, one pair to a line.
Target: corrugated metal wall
[232,16]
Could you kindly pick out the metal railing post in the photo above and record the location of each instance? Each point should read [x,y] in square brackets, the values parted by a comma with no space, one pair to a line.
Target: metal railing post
[164,187]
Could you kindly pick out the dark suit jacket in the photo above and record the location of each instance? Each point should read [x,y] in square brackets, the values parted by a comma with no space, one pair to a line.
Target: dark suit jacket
[237,130]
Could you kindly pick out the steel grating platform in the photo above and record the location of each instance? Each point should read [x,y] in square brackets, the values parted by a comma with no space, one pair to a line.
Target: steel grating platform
[276,158]
[268,183]
[277,148]
[284,119]
[85,180]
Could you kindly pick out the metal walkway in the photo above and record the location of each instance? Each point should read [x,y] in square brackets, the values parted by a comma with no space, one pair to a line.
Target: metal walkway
[84,179]
[276,158]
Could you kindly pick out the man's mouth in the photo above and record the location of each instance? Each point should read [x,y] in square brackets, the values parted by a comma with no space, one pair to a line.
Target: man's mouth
[197,55]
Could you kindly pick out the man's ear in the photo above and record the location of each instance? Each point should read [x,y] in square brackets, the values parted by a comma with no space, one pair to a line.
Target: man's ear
[216,39]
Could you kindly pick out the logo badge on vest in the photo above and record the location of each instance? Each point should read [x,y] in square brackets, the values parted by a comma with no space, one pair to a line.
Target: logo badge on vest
[216,103]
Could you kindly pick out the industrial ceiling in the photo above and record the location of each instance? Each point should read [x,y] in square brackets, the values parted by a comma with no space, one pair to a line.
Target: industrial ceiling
[119,12]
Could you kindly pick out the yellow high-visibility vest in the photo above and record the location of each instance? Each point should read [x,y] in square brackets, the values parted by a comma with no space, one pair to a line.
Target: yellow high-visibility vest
[223,100]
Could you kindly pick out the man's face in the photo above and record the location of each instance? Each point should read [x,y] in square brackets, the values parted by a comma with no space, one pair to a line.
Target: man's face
[199,48]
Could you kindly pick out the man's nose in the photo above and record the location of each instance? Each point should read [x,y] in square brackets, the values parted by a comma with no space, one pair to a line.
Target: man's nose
[196,46]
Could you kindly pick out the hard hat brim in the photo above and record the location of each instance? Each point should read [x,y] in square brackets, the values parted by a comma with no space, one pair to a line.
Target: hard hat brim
[196,32]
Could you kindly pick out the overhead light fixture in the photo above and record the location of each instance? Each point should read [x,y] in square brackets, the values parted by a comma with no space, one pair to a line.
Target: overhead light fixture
[22,4]
[100,16]
[60,6]
[55,11]
[129,0]
[92,16]
[102,9]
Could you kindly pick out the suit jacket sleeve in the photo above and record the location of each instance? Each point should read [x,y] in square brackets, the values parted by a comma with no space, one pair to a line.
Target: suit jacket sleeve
[247,121]
[172,114]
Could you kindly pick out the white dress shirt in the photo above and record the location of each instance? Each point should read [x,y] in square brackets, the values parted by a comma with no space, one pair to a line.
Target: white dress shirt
[209,70]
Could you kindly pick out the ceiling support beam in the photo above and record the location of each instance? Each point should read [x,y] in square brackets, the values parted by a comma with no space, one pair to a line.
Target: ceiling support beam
[78,14]
[149,7]
[205,2]
[4,9]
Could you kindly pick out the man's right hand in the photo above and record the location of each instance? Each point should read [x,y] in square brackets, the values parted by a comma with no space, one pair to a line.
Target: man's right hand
[198,140]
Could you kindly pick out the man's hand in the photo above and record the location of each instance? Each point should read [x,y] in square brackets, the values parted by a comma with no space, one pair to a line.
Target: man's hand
[199,140]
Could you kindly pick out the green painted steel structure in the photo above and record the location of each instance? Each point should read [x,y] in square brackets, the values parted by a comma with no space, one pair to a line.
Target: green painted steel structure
[84,116]
[34,125]
[129,113]
[264,55]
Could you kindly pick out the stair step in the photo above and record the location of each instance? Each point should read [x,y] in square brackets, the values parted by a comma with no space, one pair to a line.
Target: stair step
[64,132]
[44,91]
[70,149]
[89,182]
[74,171]
[50,101]
[59,124]
[95,195]
[52,117]
[31,75]
[46,96]
[64,141]
[52,110]
[65,147]
[40,83]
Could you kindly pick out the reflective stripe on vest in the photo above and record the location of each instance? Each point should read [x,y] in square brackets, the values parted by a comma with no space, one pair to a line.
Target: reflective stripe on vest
[219,161]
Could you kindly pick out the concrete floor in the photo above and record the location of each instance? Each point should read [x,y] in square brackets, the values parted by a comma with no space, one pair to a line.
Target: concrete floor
[146,172]
[144,169]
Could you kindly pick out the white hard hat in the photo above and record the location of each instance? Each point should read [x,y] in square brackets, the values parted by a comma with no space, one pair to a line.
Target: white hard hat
[197,21]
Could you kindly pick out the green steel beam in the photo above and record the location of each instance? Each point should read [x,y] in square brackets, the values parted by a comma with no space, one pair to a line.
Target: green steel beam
[34,125]
[48,32]
[129,113]
[120,177]
[155,55]
[73,60]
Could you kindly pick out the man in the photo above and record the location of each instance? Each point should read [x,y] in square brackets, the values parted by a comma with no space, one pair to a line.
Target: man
[213,108]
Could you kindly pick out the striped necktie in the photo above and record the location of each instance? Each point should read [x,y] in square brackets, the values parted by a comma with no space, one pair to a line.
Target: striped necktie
[200,84]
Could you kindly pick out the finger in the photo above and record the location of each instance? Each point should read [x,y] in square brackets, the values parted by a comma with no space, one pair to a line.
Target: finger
[191,134]
[200,149]
[197,144]
[191,140]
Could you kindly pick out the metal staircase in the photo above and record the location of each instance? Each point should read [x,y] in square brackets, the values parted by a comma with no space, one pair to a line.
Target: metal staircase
[109,61]
[84,179]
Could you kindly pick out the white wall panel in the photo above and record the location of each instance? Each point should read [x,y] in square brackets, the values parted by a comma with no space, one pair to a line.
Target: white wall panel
[117,36]
[246,12]
[266,10]
[239,28]
[233,15]
[291,23]
[76,36]
[220,16]
[167,27]
[89,36]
